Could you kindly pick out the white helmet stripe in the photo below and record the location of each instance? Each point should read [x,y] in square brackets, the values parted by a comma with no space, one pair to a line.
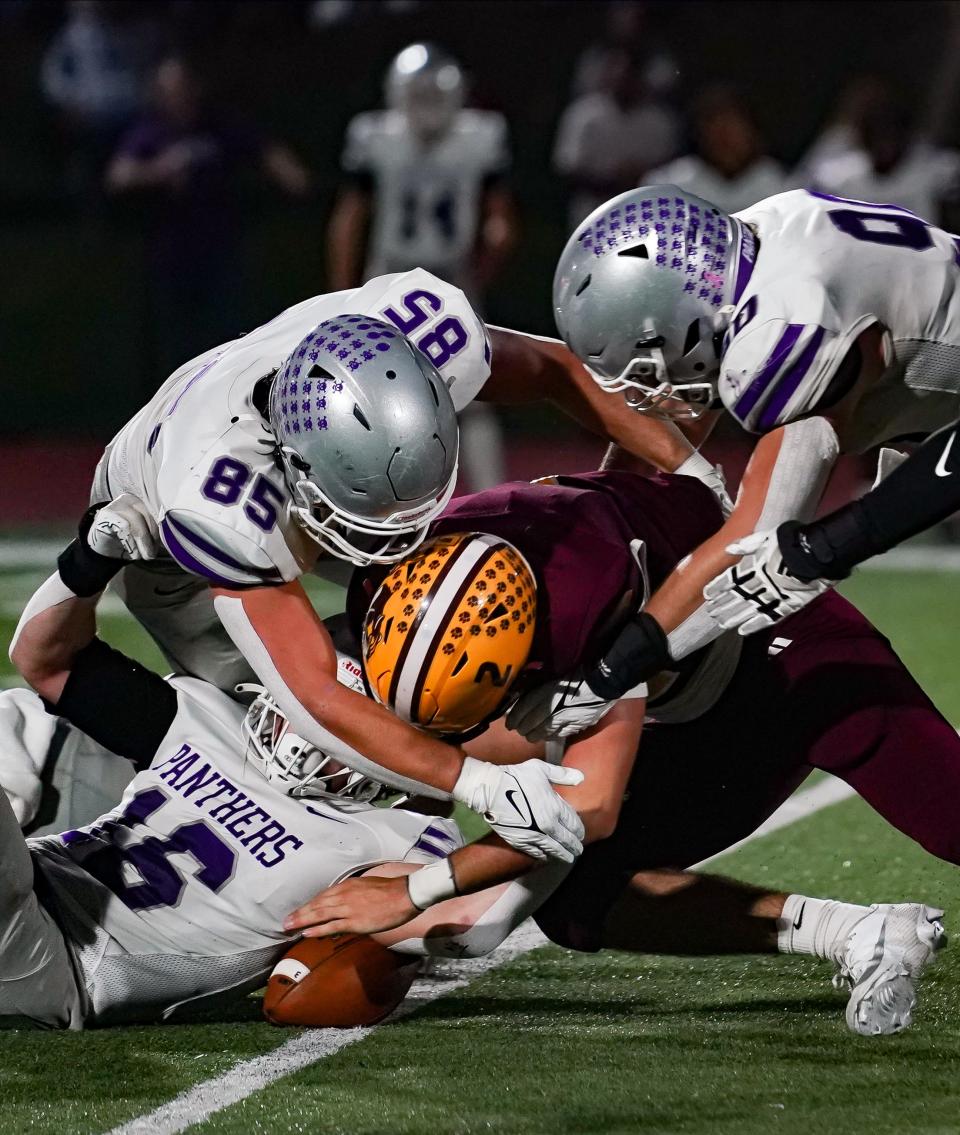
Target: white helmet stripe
[435,616]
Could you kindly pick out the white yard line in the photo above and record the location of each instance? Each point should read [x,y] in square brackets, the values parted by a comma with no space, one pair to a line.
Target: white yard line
[250,1076]
[219,1092]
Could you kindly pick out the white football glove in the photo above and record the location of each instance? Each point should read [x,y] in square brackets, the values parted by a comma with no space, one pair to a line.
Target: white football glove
[759,590]
[125,530]
[520,804]
[561,709]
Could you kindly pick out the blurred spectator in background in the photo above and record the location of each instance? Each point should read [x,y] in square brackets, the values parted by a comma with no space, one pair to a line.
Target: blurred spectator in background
[729,166]
[184,160]
[627,26]
[94,74]
[426,189]
[893,165]
[607,140]
[840,136]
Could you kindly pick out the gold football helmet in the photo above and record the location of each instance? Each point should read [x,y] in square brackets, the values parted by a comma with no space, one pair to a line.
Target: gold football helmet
[449,630]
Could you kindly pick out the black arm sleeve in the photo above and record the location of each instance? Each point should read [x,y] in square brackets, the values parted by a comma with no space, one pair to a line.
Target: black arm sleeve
[637,653]
[116,701]
[922,491]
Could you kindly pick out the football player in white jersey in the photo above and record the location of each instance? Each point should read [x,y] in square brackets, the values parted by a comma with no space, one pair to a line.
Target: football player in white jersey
[328,432]
[426,187]
[180,892]
[824,324]
[427,179]
[184,890]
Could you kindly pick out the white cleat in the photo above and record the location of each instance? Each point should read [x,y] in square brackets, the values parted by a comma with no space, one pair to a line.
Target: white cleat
[883,957]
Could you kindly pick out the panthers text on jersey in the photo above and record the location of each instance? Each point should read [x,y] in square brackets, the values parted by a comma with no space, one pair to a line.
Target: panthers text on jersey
[427,198]
[180,892]
[827,268]
[201,456]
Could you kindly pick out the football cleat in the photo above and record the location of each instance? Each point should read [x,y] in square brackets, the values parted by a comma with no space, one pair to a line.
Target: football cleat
[882,960]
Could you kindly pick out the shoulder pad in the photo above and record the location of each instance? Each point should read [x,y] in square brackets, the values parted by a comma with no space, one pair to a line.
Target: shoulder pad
[780,356]
[216,552]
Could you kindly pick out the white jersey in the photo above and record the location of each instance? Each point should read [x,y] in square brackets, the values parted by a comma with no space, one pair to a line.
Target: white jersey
[181,891]
[826,269]
[427,197]
[201,456]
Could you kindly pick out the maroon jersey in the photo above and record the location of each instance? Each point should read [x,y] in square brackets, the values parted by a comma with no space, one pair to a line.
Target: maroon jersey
[576,534]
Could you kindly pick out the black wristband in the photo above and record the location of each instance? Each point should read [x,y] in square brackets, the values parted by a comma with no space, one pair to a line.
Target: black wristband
[82,569]
[638,652]
[829,548]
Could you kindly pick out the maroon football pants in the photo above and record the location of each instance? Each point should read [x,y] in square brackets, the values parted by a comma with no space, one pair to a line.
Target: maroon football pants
[824,689]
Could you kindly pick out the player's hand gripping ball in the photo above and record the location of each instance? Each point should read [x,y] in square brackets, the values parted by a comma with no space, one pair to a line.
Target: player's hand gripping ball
[341,982]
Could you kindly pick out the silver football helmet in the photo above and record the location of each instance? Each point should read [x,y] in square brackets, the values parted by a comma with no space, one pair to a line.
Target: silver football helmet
[295,766]
[427,86]
[643,294]
[368,438]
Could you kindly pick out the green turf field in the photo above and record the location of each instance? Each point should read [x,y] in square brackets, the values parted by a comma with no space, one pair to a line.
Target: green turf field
[558,1042]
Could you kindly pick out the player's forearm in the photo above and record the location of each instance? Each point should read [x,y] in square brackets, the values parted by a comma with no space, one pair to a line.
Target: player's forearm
[55,626]
[60,618]
[486,863]
[529,368]
[786,477]
[380,735]
[921,492]
[280,635]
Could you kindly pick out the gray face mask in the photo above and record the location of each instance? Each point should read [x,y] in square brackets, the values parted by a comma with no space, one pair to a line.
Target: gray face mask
[643,292]
[368,439]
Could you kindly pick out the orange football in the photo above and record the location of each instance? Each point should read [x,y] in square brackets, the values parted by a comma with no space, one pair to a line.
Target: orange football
[337,983]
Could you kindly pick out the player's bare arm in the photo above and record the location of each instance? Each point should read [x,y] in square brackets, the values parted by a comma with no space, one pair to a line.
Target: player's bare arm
[604,755]
[295,643]
[528,368]
[287,644]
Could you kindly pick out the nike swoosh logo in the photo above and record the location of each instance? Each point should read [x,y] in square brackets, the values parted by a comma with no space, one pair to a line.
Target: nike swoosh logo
[509,797]
[798,921]
[941,469]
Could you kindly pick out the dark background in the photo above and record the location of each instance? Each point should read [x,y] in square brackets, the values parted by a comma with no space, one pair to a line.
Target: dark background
[73,355]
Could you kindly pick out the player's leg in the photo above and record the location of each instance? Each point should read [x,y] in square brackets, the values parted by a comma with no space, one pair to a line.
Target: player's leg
[699,788]
[37,979]
[863,717]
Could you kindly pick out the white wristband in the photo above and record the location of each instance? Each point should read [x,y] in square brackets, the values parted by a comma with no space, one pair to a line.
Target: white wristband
[431,884]
[696,465]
